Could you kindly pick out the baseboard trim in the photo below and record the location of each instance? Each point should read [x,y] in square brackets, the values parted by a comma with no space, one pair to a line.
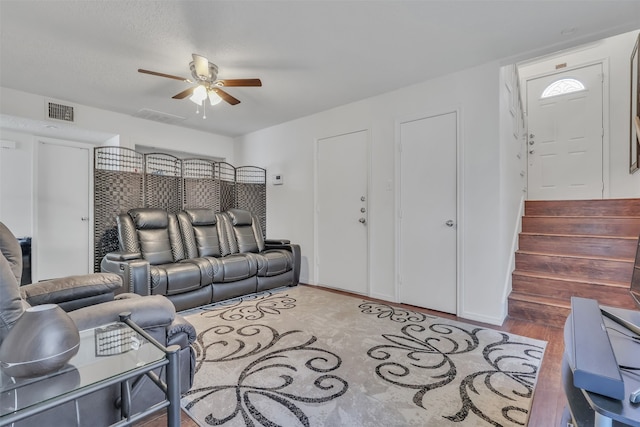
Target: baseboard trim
[497,321]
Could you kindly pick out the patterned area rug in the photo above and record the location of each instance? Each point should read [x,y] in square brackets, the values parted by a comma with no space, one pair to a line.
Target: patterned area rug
[304,356]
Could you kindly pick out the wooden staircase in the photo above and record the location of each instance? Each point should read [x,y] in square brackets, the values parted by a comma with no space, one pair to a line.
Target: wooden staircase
[580,248]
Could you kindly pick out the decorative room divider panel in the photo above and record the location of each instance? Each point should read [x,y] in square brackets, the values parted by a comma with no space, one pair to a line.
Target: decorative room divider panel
[125,179]
[251,191]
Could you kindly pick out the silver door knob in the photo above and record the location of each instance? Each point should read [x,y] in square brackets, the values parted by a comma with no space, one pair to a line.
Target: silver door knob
[362,220]
[84,218]
[449,223]
[531,151]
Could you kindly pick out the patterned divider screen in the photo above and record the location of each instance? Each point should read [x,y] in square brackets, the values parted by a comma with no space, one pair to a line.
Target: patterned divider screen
[251,192]
[201,189]
[163,182]
[226,178]
[125,179]
[118,186]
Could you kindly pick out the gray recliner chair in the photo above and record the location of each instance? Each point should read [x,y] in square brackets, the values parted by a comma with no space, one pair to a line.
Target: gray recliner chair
[90,302]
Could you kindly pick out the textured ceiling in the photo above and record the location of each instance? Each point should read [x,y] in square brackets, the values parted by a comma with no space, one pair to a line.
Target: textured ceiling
[310,55]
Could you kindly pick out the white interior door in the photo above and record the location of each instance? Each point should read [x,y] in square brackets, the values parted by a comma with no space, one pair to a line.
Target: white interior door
[63,221]
[427,249]
[341,213]
[565,140]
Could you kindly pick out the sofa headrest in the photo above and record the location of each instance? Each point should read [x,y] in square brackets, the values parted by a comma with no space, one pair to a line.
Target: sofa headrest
[240,217]
[201,216]
[149,218]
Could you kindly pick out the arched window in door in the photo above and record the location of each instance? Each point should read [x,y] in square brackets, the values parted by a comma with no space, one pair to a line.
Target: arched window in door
[562,87]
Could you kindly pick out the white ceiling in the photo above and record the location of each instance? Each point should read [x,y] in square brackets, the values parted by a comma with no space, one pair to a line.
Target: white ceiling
[310,55]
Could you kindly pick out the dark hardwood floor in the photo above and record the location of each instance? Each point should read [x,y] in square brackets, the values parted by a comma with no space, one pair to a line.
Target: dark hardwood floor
[549,399]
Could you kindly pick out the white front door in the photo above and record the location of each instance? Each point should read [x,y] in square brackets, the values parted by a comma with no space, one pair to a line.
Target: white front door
[565,135]
[62,238]
[427,249]
[341,212]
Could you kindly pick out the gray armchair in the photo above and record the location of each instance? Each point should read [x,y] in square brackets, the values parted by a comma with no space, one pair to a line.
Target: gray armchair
[90,302]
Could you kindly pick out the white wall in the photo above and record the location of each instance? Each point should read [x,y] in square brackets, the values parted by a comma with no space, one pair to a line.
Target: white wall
[513,177]
[16,182]
[16,197]
[616,51]
[289,149]
[131,130]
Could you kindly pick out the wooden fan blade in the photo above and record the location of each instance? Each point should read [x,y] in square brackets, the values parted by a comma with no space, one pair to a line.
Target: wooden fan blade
[184,93]
[169,76]
[239,82]
[224,95]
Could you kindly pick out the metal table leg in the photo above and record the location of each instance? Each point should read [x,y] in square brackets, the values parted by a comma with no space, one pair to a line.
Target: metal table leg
[173,386]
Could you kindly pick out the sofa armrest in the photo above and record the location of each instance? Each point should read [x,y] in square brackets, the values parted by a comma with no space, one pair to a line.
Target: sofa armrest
[123,256]
[280,242]
[295,252]
[134,271]
[73,292]
[148,313]
[181,332]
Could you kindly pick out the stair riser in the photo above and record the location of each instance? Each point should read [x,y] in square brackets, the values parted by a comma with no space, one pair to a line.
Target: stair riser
[539,313]
[564,290]
[578,246]
[575,268]
[617,227]
[607,207]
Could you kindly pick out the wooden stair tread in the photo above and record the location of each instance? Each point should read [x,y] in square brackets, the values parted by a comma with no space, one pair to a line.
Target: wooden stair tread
[612,283]
[590,257]
[574,225]
[547,300]
[587,216]
[582,236]
[576,266]
[627,206]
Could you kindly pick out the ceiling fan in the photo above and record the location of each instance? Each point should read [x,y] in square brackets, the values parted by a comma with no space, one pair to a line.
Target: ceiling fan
[207,84]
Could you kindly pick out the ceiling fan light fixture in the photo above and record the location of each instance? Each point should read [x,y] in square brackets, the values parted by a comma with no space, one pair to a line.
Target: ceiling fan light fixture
[205,76]
[199,95]
[214,98]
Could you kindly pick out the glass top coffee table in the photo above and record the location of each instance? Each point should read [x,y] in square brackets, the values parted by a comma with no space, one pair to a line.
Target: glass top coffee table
[107,355]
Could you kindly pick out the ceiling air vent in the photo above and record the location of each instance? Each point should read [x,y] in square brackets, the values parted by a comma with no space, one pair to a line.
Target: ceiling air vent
[158,116]
[60,112]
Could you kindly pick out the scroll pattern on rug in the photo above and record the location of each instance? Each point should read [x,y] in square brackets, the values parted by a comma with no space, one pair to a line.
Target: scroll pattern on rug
[266,360]
[432,348]
[242,309]
[279,361]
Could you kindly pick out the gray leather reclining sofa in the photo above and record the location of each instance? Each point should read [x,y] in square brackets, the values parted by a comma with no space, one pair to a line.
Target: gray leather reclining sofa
[199,256]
